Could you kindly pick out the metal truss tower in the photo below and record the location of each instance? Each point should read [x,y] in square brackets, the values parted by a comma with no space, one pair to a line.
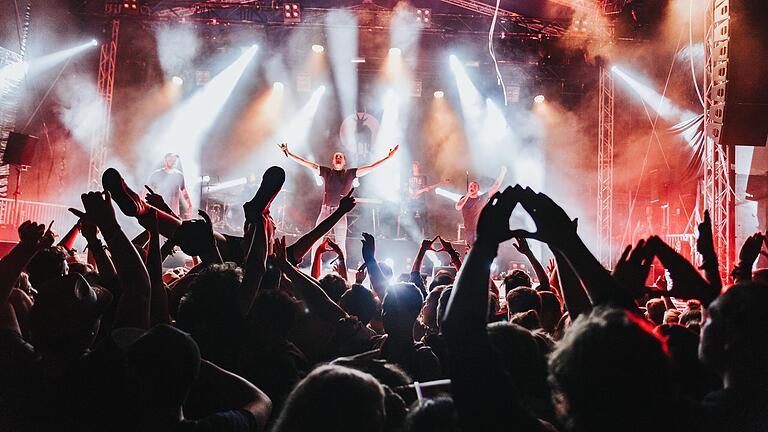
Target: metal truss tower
[717,192]
[605,169]
[106,85]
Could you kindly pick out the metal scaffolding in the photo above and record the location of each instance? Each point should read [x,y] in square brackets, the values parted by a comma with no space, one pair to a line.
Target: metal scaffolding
[605,169]
[106,84]
[717,191]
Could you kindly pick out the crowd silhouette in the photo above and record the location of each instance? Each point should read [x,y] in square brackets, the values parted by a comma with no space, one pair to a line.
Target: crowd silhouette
[247,341]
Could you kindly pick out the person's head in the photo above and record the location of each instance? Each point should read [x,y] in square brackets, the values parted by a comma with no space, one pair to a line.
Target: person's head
[210,312]
[611,372]
[338,161]
[654,311]
[690,317]
[433,415]
[671,316]
[442,277]
[386,270]
[400,308]
[517,278]
[474,189]
[551,311]
[65,317]
[169,160]
[429,310]
[334,286]
[523,299]
[273,313]
[521,358]
[334,398]
[529,319]
[47,264]
[161,365]
[416,168]
[733,337]
[359,301]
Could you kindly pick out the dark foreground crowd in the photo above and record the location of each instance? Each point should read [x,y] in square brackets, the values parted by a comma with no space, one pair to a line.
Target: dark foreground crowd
[245,341]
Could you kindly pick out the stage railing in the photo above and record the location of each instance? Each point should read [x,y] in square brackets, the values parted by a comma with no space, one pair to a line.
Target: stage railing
[14,212]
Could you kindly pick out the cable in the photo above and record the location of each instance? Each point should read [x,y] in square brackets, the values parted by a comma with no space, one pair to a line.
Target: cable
[499,79]
[690,54]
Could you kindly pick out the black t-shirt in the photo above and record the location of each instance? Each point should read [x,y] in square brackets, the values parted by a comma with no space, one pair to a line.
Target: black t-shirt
[471,212]
[169,185]
[415,183]
[337,183]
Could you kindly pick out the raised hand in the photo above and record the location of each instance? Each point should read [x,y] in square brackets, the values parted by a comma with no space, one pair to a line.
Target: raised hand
[553,225]
[98,210]
[360,275]
[633,266]
[278,250]
[283,148]
[347,202]
[551,266]
[325,246]
[369,247]
[89,230]
[751,248]
[705,244]
[687,283]
[334,247]
[521,244]
[493,224]
[32,234]
[156,200]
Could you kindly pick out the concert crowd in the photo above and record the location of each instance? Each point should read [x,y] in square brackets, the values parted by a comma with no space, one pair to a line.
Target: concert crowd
[247,340]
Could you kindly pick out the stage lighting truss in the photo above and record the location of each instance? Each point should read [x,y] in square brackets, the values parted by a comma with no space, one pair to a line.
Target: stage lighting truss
[291,13]
[424,16]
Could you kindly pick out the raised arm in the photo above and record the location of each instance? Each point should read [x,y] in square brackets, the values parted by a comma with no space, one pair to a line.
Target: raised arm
[298,159]
[32,238]
[365,169]
[133,306]
[307,287]
[297,250]
[479,386]
[379,283]
[522,246]
[158,300]
[499,180]
[104,265]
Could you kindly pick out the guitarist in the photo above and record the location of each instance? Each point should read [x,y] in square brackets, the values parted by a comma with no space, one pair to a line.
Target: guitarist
[415,203]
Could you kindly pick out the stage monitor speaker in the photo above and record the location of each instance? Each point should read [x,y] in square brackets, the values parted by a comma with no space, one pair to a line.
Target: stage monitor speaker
[745,120]
[20,149]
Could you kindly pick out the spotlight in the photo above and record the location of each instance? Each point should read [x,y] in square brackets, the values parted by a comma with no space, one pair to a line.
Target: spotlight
[291,13]
[439,94]
[539,99]
[94,42]
[318,48]
[396,52]
[424,16]
[278,86]
[177,80]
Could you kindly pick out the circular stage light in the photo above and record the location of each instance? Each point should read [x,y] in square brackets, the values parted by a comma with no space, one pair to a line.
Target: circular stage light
[318,48]
[539,99]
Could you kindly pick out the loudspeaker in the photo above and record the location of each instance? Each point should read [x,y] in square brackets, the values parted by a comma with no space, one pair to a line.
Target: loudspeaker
[20,149]
[746,99]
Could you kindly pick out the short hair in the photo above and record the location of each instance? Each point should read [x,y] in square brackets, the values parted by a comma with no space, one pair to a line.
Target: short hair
[523,299]
[523,361]
[433,415]
[671,316]
[333,285]
[334,398]
[517,278]
[275,310]
[551,310]
[441,278]
[360,302]
[403,297]
[596,364]
[529,319]
[47,264]
[210,312]
[654,310]
[690,317]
